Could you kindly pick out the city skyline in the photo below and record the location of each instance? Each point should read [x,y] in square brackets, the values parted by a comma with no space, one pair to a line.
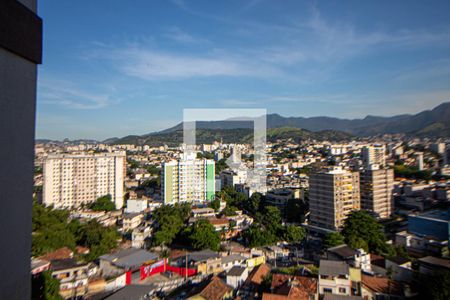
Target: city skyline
[132,69]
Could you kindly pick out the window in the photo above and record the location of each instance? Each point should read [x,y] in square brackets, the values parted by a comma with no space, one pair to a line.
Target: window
[342,290]
[327,290]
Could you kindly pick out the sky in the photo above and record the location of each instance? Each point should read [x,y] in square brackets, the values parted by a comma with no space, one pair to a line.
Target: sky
[113,68]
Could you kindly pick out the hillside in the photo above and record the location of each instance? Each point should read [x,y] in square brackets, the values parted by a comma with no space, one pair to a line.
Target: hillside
[431,123]
[236,135]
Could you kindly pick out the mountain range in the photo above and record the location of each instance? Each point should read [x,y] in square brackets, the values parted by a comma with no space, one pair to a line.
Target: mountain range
[428,123]
[435,122]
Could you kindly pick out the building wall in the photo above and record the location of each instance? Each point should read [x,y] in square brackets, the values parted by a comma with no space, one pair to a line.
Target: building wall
[375,154]
[333,195]
[136,205]
[18,77]
[377,191]
[423,226]
[336,285]
[71,180]
[237,281]
[188,180]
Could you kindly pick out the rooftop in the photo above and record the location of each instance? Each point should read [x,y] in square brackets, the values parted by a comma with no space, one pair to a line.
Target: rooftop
[61,253]
[340,297]
[231,258]
[129,258]
[62,264]
[236,271]
[294,287]
[212,289]
[343,251]
[202,255]
[431,260]
[133,291]
[203,210]
[436,215]
[382,285]
[131,215]
[257,275]
[333,268]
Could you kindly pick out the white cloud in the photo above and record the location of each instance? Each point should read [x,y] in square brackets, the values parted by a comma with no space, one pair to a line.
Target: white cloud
[180,36]
[150,65]
[63,93]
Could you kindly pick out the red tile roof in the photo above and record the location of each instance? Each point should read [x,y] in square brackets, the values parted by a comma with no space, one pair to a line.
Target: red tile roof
[267,296]
[257,275]
[215,290]
[382,285]
[61,253]
[294,287]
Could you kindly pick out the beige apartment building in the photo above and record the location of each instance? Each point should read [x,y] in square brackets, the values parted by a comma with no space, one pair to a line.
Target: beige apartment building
[188,180]
[374,154]
[333,194]
[73,179]
[376,191]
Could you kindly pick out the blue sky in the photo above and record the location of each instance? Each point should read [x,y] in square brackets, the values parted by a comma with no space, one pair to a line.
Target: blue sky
[113,68]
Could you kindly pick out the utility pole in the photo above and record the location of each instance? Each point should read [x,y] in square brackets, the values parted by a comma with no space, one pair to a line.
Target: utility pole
[186,269]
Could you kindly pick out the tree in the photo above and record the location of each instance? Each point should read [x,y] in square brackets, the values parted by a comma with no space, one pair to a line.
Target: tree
[272,219]
[362,230]
[98,239]
[435,286]
[295,210]
[257,236]
[52,238]
[204,236]
[44,286]
[221,165]
[294,234]
[154,183]
[52,230]
[103,203]
[252,205]
[215,204]
[229,210]
[333,239]
[169,220]
[154,170]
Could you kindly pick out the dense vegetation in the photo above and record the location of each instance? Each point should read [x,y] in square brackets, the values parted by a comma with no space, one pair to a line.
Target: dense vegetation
[411,172]
[103,203]
[267,227]
[53,230]
[202,235]
[433,286]
[333,239]
[233,135]
[44,286]
[170,221]
[362,230]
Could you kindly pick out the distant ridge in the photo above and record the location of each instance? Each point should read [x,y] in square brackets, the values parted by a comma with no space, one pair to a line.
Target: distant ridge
[433,123]
[429,123]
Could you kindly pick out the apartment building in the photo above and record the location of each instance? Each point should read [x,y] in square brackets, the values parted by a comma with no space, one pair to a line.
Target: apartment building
[188,180]
[71,180]
[231,178]
[374,154]
[334,278]
[377,187]
[333,195]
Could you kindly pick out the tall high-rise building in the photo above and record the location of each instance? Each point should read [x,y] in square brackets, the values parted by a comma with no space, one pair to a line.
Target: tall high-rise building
[74,179]
[374,154]
[333,195]
[377,191]
[439,148]
[188,180]
[419,160]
